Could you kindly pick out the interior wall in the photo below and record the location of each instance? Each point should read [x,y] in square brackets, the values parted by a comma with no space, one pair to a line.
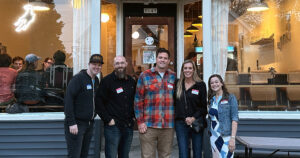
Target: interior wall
[42,36]
[290,53]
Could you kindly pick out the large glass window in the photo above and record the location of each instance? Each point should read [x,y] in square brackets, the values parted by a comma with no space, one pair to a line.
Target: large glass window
[193,47]
[263,57]
[44,28]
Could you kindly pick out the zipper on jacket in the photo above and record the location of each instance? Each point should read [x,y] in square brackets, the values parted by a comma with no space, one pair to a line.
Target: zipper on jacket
[93,98]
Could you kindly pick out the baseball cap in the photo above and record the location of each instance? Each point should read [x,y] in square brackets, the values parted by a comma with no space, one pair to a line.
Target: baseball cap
[30,58]
[96,58]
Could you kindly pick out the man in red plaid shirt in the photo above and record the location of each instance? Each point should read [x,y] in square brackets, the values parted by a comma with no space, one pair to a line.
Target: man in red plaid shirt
[154,107]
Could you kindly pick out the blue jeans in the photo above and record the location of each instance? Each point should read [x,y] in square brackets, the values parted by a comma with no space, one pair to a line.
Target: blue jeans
[184,134]
[117,141]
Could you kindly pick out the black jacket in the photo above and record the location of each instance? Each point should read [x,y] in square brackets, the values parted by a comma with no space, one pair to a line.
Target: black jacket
[79,98]
[115,100]
[196,102]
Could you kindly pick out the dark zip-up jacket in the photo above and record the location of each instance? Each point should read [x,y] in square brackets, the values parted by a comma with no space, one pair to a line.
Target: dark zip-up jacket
[196,102]
[79,98]
[114,100]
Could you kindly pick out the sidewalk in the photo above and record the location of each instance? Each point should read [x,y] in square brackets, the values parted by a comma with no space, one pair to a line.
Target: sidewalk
[135,151]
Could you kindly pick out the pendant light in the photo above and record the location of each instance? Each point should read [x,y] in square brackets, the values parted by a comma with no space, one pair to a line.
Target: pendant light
[198,21]
[192,28]
[187,34]
[258,6]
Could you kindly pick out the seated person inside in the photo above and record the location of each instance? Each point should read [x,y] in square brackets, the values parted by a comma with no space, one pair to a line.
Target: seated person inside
[7,80]
[29,83]
[59,73]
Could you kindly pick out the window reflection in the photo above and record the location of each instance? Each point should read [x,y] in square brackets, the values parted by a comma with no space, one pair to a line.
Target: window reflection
[266,55]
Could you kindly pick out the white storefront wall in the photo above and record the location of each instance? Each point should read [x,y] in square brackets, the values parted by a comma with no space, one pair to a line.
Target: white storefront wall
[95,27]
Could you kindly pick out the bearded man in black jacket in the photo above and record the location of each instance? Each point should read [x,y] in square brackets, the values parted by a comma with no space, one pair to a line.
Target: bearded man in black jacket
[80,108]
[114,104]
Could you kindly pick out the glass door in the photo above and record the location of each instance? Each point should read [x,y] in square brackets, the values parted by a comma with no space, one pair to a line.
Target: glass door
[143,36]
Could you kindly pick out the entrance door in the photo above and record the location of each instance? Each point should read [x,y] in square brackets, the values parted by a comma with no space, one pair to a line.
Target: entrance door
[143,36]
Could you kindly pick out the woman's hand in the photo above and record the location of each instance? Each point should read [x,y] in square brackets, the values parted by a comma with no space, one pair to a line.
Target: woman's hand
[189,120]
[232,144]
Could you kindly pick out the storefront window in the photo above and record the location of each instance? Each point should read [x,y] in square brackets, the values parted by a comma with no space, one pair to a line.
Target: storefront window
[263,67]
[108,35]
[44,28]
[193,47]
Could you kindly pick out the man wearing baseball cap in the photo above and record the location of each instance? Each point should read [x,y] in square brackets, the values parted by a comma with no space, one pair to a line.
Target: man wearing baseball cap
[80,108]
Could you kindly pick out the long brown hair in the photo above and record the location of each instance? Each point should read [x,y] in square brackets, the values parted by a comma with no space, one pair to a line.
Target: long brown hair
[196,78]
[211,93]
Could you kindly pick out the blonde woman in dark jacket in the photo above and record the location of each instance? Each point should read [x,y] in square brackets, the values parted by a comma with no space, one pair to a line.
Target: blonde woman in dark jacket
[190,104]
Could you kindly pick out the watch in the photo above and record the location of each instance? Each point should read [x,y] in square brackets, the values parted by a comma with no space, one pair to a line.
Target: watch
[149,40]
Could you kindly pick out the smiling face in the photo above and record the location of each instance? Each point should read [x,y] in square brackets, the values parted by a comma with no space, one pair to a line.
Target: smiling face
[215,84]
[94,69]
[162,60]
[188,70]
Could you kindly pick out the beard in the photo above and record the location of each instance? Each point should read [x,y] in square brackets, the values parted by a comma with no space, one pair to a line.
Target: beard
[121,73]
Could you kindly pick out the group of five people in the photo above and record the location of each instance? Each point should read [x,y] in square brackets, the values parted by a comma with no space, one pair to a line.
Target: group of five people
[158,102]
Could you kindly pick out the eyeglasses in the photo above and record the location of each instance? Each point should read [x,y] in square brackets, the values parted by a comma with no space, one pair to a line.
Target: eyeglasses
[49,62]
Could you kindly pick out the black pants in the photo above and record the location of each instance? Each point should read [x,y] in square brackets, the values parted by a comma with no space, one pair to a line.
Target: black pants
[78,145]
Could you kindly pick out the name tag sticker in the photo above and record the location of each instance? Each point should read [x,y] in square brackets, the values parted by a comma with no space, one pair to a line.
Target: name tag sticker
[170,86]
[88,86]
[120,90]
[224,102]
[195,91]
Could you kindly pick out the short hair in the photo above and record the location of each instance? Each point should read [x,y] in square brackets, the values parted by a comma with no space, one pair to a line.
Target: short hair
[162,50]
[48,58]
[59,57]
[5,60]
[18,58]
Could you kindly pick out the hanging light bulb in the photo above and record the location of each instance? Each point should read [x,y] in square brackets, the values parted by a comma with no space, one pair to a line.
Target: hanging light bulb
[188,34]
[135,35]
[104,17]
[258,6]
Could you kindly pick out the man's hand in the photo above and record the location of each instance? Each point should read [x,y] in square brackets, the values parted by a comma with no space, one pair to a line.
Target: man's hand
[189,120]
[73,129]
[142,128]
[112,122]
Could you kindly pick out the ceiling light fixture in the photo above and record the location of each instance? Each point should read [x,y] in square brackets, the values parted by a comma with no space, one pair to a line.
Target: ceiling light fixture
[135,35]
[188,34]
[197,22]
[257,6]
[104,17]
[192,29]
[38,5]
